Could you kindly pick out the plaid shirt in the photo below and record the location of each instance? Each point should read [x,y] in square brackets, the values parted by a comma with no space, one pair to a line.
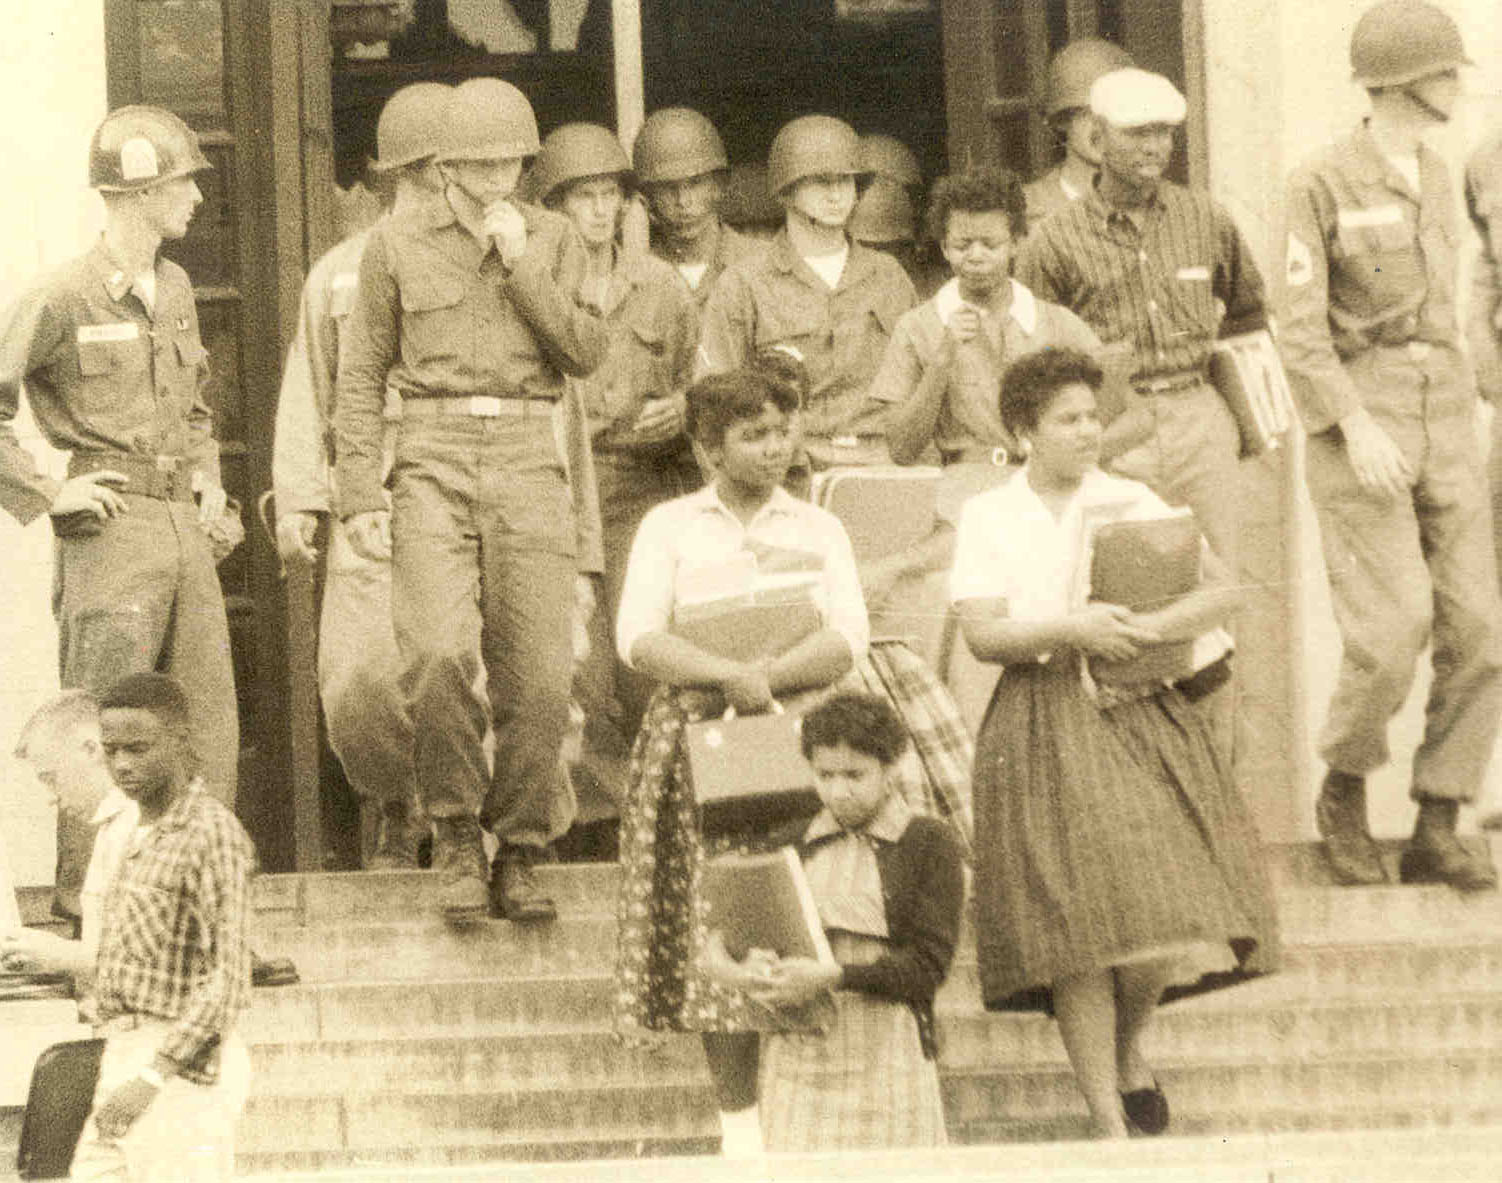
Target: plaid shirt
[174,943]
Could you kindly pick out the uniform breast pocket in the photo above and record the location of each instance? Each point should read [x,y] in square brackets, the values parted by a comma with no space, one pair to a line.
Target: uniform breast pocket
[109,372]
[431,320]
[1380,264]
[797,319]
[189,355]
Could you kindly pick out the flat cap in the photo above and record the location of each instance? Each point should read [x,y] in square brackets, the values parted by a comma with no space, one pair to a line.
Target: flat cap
[1130,97]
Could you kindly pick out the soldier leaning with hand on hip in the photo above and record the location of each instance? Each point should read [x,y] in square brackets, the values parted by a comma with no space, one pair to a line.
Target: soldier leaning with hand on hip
[1394,466]
[473,308]
[108,350]
[358,664]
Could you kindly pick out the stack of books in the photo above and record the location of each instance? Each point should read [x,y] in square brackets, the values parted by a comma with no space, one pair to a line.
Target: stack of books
[1248,374]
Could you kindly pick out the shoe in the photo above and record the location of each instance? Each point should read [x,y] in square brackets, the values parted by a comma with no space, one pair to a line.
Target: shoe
[459,857]
[515,894]
[1441,857]
[1146,1109]
[397,835]
[279,971]
[1340,816]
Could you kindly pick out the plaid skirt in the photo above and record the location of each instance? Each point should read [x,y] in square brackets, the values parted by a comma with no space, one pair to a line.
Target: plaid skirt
[865,1085]
[1104,835]
[660,925]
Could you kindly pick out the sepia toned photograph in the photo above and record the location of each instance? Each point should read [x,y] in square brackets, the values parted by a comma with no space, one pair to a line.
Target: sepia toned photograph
[760,590]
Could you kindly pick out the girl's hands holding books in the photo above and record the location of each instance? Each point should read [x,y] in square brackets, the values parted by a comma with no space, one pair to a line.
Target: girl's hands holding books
[1110,631]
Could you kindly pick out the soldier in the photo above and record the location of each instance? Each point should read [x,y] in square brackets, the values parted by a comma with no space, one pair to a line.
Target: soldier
[680,168]
[472,308]
[358,663]
[635,398]
[834,301]
[1393,463]
[1161,271]
[108,349]
[1483,195]
[1066,106]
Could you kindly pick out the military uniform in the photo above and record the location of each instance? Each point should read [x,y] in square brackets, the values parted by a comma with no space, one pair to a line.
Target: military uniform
[1483,195]
[120,385]
[729,248]
[358,662]
[1371,323]
[1048,194]
[841,333]
[486,537]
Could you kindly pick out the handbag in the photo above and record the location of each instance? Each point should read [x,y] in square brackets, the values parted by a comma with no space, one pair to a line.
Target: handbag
[748,772]
[57,1105]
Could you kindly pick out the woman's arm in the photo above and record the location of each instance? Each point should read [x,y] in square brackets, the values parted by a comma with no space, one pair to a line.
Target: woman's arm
[1103,630]
[679,662]
[912,422]
[1212,603]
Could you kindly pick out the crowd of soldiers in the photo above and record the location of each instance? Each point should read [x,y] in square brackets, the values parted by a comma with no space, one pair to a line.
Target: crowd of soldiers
[486,396]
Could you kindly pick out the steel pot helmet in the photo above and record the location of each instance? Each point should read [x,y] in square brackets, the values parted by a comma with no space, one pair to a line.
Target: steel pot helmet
[137,147]
[487,119]
[812,146]
[884,214]
[887,156]
[1074,69]
[410,125]
[1400,41]
[575,151]
[676,143]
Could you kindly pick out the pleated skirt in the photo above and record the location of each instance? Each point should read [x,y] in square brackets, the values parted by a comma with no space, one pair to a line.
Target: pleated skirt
[863,1085]
[1104,836]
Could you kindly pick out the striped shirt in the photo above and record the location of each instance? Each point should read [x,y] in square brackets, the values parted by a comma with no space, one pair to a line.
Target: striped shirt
[1167,279]
[173,942]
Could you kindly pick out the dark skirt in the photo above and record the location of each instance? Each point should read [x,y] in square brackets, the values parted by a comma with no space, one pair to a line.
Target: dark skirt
[1104,835]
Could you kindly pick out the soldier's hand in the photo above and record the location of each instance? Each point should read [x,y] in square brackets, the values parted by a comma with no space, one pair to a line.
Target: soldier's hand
[505,224]
[92,493]
[1378,463]
[370,534]
[659,419]
[211,498]
[636,226]
[294,536]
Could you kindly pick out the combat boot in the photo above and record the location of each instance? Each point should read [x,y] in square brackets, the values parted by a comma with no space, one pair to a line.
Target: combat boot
[1435,853]
[515,893]
[459,856]
[397,834]
[1340,816]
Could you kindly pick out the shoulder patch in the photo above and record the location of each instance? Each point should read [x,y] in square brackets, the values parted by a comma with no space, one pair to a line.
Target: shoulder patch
[1300,261]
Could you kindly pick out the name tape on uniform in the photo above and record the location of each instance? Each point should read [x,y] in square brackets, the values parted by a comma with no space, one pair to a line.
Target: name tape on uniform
[1193,273]
[1376,215]
[122,331]
[1300,261]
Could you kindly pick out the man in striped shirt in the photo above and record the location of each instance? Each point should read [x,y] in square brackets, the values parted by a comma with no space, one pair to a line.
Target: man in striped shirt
[1161,270]
[173,968]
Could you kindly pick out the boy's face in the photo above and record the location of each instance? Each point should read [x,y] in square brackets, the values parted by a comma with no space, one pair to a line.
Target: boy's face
[593,205]
[147,758]
[686,206]
[1081,134]
[485,181]
[852,785]
[755,453]
[978,248]
[826,200]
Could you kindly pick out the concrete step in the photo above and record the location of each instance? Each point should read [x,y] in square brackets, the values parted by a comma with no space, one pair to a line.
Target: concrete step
[471,1162]
[485,1121]
[517,1063]
[1416,1089]
[1271,1031]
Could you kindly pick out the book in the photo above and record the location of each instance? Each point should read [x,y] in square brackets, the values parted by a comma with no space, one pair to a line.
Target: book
[763,901]
[751,628]
[1246,371]
[1145,565]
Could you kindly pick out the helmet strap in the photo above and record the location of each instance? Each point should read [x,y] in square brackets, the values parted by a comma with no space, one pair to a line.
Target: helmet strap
[1424,104]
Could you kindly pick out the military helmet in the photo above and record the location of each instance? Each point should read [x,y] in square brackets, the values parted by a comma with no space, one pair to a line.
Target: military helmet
[572,152]
[1400,41]
[887,156]
[812,146]
[410,125]
[487,119]
[675,144]
[137,147]
[1074,69]
[884,214]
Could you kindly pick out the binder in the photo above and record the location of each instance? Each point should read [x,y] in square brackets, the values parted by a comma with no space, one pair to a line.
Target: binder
[1145,565]
[1247,372]
[57,1105]
[763,901]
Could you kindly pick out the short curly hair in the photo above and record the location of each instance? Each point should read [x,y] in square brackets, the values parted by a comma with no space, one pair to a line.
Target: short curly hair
[717,401]
[978,191]
[862,722]
[1032,381]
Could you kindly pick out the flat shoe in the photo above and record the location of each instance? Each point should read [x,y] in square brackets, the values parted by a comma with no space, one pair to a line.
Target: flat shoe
[1146,1109]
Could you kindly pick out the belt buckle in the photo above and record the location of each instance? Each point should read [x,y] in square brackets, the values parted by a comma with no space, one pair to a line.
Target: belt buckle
[845,441]
[485,406]
[1000,456]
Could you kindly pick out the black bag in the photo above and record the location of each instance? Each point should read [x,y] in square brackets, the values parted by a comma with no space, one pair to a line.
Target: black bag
[57,1105]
